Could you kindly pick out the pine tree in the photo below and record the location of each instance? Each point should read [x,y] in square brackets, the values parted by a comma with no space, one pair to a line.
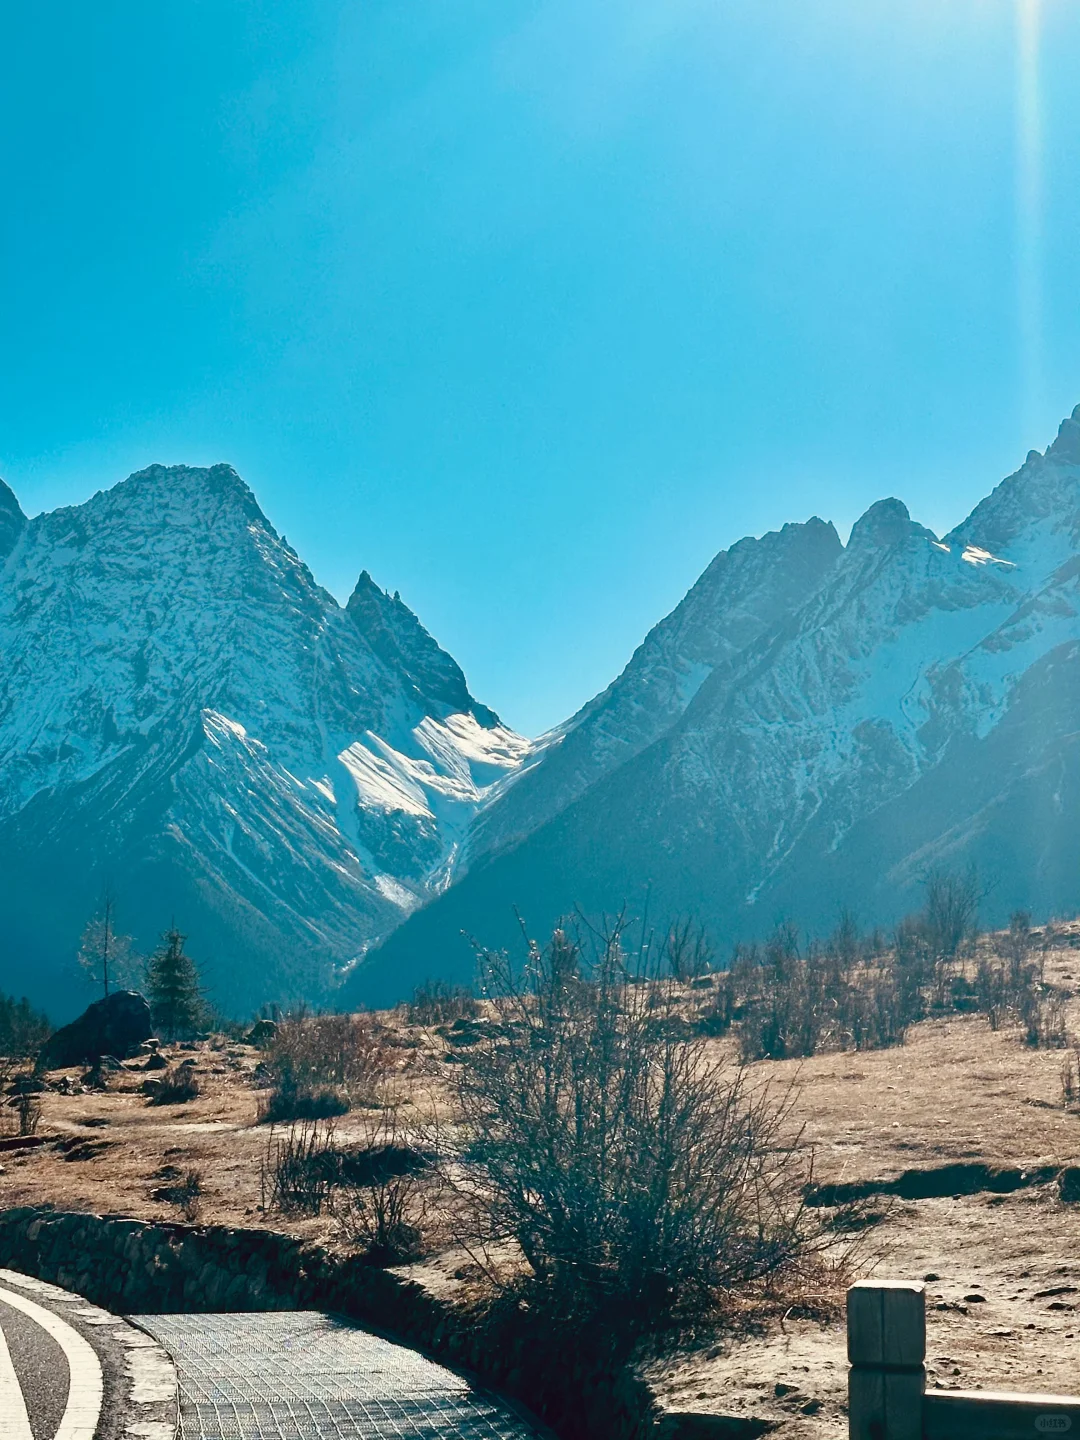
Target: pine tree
[172,982]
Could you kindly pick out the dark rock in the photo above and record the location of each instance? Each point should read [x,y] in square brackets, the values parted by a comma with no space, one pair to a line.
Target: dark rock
[261,1033]
[1069,1184]
[694,1425]
[156,1062]
[116,1025]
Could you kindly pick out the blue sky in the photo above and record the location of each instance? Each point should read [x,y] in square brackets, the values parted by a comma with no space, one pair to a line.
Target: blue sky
[530,308]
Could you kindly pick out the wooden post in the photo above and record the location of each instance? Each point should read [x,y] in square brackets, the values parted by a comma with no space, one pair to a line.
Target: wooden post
[886,1332]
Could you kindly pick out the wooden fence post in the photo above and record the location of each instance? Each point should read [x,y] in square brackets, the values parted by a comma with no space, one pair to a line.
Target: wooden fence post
[886,1334]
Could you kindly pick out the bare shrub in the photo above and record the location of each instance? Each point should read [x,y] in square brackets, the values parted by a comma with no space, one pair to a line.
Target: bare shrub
[23,1105]
[177,1086]
[28,1109]
[321,1065]
[378,1192]
[298,1169]
[1019,946]
[1070,1081]
[186,1192]
[436,1003]
[995,994]
[1043,1017]
[385,1193]
[639,1183]
[289,1101]
[790,1002]
[687,952]
[951,912]
[716,1015]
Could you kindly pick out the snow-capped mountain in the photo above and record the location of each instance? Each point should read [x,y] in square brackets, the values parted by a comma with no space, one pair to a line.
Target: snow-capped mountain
[907,701]
[187,717]
[743,593]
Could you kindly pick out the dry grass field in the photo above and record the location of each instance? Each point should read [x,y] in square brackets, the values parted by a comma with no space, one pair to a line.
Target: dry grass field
[1000,1253]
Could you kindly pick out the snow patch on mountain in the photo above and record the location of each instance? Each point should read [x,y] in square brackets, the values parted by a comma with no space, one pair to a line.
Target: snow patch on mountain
[174,676]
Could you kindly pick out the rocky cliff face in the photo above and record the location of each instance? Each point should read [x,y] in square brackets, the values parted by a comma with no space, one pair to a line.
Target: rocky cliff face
[188,717]
[912,702]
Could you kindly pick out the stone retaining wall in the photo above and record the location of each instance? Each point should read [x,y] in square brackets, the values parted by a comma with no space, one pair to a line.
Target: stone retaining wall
[131,1266]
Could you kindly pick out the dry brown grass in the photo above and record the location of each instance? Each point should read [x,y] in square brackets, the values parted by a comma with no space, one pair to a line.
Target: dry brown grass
[956,1091]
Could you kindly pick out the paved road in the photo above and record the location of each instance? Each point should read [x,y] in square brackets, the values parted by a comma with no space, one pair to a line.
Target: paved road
[51,1383]
[301,1375]
[68,1370]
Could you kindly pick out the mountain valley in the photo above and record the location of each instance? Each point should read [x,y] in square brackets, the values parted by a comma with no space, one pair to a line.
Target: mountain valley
[188,719]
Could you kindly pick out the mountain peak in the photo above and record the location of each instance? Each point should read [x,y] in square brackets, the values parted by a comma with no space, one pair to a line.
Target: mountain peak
[886,523]
[1066,448]
[1044,489]
[12,520]
[396,636]
[219,482]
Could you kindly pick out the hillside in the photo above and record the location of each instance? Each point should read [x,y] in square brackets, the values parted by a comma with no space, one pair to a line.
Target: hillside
[957,1138]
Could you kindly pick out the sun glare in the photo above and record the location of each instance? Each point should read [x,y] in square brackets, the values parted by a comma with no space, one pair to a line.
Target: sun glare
[1029,208]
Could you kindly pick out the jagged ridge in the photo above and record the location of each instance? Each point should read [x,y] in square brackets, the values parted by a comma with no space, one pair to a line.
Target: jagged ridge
[915,706]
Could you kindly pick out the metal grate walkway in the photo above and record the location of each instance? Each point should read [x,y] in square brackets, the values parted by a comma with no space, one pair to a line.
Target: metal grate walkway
[301,1375]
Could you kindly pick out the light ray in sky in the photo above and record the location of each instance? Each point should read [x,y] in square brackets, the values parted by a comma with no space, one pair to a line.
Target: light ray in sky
[1029,212]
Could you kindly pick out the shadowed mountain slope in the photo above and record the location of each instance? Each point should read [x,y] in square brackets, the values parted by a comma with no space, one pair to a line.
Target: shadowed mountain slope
[918,704]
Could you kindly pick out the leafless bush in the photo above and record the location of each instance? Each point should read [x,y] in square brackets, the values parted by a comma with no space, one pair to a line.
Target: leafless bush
[1019,946]
[28,1109]
[636,1180]
[996,997]
[385,1193]
[951,911]
[187,1192]
[930,946]
[686,951]
[1043,1017]
[299,1168]
[23,1031]
[323,1064]
[289,1101]
[436,1003]
[379,1192]
[785,1000]
[716,1014]
[177,1086]
[790,1002]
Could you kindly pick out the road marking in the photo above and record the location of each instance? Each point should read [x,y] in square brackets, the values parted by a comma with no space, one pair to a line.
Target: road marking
[84,1370]
[15,1421]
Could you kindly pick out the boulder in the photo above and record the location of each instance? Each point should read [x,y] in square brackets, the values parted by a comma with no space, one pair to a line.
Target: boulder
[261,1033]
[116,1025]
[1069,1184]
